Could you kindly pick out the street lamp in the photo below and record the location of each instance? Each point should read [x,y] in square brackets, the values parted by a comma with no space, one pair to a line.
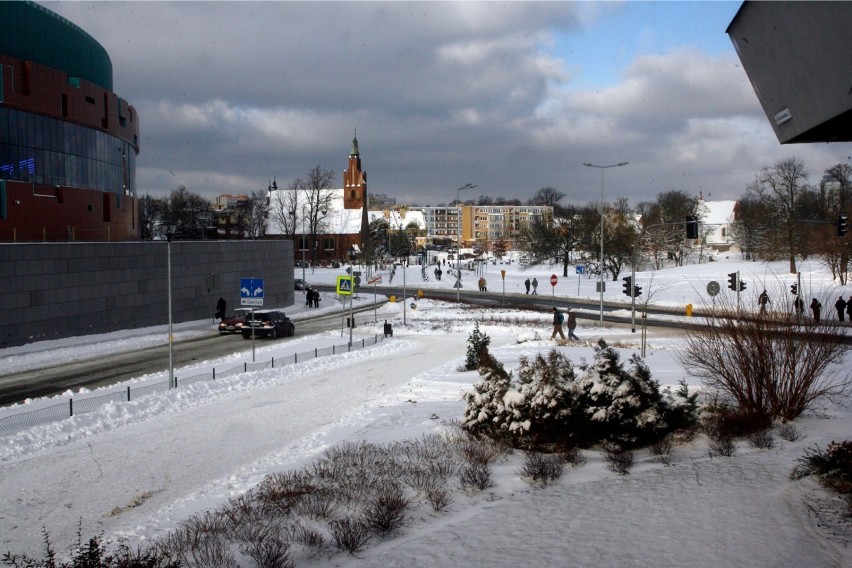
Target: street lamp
[458,242]
[601,284]
[169,233]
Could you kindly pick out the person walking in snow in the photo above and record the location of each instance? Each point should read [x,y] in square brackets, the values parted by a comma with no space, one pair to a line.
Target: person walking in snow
[840,305]
[816,306]
[535,286]
[558,318]
[527,285]
[482,284]
[572,324]
[849,308]
[762,300]
[799,307]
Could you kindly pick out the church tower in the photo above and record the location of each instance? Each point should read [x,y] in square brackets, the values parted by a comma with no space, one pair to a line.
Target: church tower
[355,187]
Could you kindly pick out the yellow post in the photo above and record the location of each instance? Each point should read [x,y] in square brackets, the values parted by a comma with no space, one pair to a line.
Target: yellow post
[689,310]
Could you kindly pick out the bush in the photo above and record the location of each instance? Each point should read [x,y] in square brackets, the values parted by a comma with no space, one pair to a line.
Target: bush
[92,554]
[477,345]
[789,432]
[832,466]
[551,408]
[541,469]
[762,439]
[618,460]
[764,365]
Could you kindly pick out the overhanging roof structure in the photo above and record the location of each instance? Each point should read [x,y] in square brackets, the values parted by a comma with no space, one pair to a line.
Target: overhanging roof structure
[798,57]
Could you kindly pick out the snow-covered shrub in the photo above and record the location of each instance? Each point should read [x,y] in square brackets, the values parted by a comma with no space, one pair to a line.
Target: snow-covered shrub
[550,407]
[485,412]
[541,469]
[625,405]
[477,344]
[618,460]
[548,410]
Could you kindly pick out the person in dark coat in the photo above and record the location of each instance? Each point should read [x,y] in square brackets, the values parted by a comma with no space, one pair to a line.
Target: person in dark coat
[849,308]
[535,285]
[840,305]
[557,324]
[316,298]
[816,306]
[762,300]
[799,306]
[527,285]
[572,324]
[222,306]
[308,296]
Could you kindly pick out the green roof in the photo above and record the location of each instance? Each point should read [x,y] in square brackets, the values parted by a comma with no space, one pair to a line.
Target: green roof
[34,33]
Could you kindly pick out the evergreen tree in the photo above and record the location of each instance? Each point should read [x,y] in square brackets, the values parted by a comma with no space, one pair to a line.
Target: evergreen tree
[486,413]
[477,342]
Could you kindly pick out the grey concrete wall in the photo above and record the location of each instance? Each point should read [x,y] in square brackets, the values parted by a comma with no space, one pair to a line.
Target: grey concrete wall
[55,290]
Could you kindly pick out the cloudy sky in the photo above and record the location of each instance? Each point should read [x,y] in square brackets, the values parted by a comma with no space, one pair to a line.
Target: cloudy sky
[511,96]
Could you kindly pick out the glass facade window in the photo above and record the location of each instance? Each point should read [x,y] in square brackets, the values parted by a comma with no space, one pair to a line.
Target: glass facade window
[45,150]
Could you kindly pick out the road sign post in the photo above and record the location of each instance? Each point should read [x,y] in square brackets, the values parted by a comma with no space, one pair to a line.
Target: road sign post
[579,270]
[251,294]
[553,281]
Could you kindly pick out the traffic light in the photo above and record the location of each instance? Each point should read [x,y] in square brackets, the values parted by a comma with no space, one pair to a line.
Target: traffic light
[841,225]
[742,286]
[691,228]
[794,289]
[637,291]
[628,285]
[732,280]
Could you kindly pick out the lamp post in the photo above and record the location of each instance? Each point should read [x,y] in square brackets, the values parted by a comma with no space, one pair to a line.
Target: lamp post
[169,232]
[601,283]
[458,243]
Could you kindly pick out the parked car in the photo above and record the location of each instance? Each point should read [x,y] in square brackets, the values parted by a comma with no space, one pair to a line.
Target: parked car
[268,324]
[300,284]
[234,322]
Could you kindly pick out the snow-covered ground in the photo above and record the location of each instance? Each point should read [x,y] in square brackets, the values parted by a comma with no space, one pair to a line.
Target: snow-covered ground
[134,470]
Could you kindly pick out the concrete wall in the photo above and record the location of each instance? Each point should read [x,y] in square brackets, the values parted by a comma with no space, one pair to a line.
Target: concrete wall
[55,290]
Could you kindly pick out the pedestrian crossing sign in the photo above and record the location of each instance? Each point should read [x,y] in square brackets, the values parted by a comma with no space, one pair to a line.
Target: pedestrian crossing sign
[344,285]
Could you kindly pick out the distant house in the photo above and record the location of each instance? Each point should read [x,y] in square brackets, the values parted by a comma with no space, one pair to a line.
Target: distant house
[716,219]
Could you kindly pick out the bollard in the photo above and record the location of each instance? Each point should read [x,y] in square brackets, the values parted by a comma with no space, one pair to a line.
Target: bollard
[388,329]
[689,310]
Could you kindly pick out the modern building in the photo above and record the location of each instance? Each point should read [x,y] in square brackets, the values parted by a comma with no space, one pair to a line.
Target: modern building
[482,225]
[68,143]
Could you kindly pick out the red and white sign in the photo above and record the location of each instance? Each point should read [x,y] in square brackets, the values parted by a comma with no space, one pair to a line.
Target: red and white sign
[553,280]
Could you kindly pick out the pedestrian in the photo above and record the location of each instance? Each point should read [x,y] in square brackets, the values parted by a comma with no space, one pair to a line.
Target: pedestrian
[840,304]
[440,273]
[799,306]
[482,285]
[535,285]
[572,324]
[527,285]
[849,308]
[221,306]
[316,298]
[762,300]
[558,318]
[816,306]
[308,296]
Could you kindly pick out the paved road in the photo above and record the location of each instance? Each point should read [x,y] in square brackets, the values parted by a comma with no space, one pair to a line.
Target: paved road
[108,370]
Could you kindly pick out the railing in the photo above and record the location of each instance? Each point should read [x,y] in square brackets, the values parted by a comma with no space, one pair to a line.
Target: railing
[10,425]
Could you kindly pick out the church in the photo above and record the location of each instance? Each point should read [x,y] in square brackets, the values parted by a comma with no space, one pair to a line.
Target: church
[325,225]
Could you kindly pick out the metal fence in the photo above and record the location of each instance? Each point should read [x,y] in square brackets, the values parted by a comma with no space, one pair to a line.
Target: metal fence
[13,424]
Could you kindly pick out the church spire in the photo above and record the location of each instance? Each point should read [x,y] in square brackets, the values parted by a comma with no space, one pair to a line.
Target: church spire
[354,151]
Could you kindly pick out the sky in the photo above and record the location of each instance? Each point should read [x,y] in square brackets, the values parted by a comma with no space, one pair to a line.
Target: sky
[511,97]
[136,470]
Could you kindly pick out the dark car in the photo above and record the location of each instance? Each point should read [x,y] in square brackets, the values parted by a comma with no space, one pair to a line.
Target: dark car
[300,284]
[268,324]
[234,322]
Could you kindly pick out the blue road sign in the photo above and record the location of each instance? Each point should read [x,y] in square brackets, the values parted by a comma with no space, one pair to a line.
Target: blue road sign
[251,291]
[580,269]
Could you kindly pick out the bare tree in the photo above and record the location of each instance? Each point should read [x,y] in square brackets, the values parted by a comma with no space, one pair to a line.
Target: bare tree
[781,187]
[547,196]
[256,215]
[835,194]
[150,217]
[283,208]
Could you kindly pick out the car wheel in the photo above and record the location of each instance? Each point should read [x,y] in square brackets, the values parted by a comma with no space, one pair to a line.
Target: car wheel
[246,336]
[292,331]
[274,333]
